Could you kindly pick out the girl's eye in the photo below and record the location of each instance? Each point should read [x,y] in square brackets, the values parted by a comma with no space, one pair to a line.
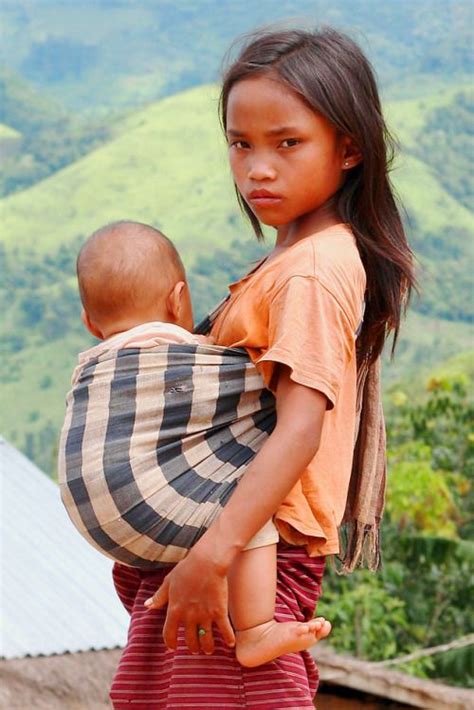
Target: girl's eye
[289,142]
[239,144]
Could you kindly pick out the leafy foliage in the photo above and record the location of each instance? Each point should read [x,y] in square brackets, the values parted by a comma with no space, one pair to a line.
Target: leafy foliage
[432,446]
[366,617]
[420,496]
[422,595]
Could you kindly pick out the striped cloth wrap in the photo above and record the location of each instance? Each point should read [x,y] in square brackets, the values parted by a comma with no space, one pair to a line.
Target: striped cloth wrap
[153,444]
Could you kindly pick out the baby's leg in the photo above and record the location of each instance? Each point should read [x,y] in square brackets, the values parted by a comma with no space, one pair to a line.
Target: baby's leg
[252,587]
[252,592]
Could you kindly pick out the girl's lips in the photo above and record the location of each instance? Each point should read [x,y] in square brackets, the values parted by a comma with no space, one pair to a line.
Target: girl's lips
[263,198]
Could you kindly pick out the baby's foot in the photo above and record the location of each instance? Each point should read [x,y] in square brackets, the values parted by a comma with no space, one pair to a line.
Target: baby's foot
[265,642]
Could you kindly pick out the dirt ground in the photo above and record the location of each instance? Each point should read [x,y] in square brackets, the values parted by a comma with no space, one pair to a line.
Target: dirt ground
[78,681]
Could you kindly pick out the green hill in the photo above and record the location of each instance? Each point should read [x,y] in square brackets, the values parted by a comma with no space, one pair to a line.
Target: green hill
[51,138]
[166,165]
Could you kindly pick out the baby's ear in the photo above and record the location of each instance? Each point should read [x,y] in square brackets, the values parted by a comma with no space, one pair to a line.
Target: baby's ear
[173,302]
[90,325]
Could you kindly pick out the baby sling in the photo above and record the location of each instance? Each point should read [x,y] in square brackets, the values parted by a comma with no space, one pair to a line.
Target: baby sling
[156,439]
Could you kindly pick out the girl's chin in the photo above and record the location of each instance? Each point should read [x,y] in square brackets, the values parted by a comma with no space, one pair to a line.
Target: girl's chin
[269,221]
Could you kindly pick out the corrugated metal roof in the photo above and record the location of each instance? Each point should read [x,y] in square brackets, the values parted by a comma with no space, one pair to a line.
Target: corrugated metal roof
[57,594]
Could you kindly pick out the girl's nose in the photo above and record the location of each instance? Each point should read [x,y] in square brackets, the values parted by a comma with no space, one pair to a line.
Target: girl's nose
[261,170]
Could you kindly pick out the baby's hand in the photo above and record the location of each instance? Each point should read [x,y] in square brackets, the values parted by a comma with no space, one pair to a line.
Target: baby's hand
[206,339]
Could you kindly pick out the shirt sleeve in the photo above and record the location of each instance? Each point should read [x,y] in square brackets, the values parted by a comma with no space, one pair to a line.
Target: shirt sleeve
[310,333]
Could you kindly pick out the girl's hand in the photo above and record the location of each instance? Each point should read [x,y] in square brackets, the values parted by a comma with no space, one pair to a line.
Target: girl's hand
[204,603]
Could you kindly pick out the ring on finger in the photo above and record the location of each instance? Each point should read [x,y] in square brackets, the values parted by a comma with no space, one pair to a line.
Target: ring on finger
[201,631]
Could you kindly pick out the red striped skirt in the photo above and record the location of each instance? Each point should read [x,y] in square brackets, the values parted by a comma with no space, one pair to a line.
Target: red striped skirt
[150,677]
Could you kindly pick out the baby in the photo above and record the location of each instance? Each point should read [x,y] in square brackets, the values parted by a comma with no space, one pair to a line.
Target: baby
[134,292]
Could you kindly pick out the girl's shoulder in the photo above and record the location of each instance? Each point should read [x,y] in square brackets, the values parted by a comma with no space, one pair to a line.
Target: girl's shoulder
[331,260]
[330,256]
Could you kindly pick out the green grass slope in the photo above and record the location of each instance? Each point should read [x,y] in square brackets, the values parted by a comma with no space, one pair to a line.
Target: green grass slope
[407,116]
[166,166]
[426,199]
[8,132]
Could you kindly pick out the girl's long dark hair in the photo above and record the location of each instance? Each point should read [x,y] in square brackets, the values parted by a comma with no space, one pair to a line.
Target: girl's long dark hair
[333,76]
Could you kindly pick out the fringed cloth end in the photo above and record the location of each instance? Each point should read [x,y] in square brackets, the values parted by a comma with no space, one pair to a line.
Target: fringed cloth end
[360,547]
[359,534]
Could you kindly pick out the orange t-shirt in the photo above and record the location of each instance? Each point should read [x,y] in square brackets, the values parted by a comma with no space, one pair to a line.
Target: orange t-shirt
[302,309]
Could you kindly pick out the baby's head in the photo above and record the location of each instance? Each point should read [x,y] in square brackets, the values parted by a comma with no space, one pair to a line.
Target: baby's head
[129,274]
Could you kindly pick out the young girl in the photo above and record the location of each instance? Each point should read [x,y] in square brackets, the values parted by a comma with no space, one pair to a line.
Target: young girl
[308,154]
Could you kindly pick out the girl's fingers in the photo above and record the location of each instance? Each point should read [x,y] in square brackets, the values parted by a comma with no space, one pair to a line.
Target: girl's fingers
[160,597]
[226,630]
[206,640]
[191,636]
[170,629]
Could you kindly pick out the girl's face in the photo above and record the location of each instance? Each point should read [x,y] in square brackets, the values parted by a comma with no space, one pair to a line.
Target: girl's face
[286,159]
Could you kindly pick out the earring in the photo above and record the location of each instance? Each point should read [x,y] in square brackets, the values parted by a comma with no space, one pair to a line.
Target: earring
[346,163]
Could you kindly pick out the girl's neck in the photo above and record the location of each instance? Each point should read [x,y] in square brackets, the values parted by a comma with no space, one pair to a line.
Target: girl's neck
[306,225]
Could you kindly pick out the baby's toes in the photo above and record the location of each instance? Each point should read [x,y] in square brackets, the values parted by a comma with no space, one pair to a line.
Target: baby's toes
[325,630]
[303,629]
[320,627]
[317,624]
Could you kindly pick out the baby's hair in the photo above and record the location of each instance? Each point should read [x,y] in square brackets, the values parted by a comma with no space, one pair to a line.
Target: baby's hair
[332,75]
[124,267]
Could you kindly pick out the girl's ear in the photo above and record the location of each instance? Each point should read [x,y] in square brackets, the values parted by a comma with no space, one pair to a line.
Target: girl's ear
[351,155]
[91,327]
